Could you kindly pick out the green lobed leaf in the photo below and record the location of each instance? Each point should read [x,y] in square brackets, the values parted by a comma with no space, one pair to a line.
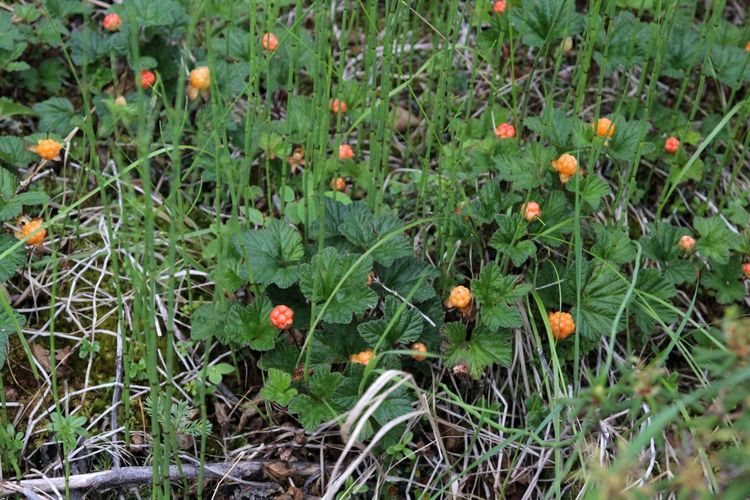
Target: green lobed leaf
[406,328]
[249,325]
[272,254]
[496,295]
[507,240]
[278,387]
[319,279]
[716,241]
[484,349]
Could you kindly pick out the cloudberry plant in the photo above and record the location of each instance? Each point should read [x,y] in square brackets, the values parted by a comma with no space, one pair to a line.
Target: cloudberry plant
[112,22]
[566,165]
[746,270]
[671,145]
[48,149]
[505,131]
[200,82]
[345,152]
[282,317]
[561,324]
[363,357]
[148,78]
[531,211]
[687,243]
[269,42]
[499,7]
[460,297]
[33,229]
[338,106]
[337,184]
[603,127]
[419,347]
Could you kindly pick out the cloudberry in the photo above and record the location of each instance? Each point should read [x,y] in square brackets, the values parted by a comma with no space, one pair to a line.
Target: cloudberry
[269,42]
[282,317]
[200,82]
[561,324]
[363,357]
[687,243]
[747,46]
[148,78]
[419,347]
[746,270]
[531,211]
[345,152]
[460,297]
[111,22]
[337,184]
[338,106]
[505,131]
[499,7]
[33,229]
[671,145]
[48,149]
[566,166]
[604,127]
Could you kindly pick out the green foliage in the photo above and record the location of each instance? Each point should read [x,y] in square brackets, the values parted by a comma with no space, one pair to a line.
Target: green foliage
[496,294]
[278,387]
[272,254]
[484,348]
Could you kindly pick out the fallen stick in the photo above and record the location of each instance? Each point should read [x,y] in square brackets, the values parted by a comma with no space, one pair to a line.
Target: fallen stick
[126,476]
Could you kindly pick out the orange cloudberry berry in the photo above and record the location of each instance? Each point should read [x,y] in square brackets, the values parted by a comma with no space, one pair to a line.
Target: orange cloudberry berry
[566,165]
[419,347]
[746,270]
[200,82]
[282,317]
[31,228]
[112,22]
[48,149]
[338,184]
[505,131]
[338,106]
[747,46]
[345,152]
[687,243]
[604,127]
[499,7]
[562,324]
[148,78]
[362,358]
[460,297]
[531,211]
[671,145]
[269,42]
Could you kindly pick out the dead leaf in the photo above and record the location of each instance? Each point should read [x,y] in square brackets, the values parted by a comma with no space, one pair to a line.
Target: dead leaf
[402,119]
[222,417]
[278,471]
[292,493]
[61,357]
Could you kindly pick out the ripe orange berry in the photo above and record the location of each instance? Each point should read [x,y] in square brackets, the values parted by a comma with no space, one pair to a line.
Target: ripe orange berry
[269,42]
[531,211]
[338,184]
[460,297]
[505,131]
[200,82]
[566,166]
[345,152]
[687,243]
[499,7]
[111,22]
[746,270]
[338,106]
[362,358]
[48,149]
[671,145]
[562,324]
[747,46]
[419,347]
[200,78]
[604,127]
[148,78]
[282,317]
[31,228]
